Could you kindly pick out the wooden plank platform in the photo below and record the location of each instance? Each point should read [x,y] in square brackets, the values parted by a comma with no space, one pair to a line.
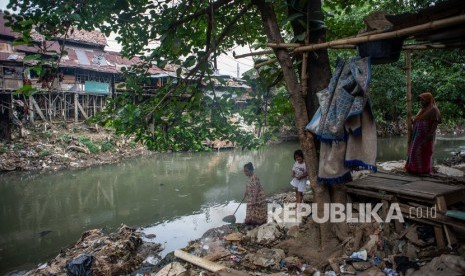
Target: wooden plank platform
[423,188]
[427,191]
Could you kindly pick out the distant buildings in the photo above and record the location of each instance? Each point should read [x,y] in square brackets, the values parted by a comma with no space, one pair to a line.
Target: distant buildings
[88,75]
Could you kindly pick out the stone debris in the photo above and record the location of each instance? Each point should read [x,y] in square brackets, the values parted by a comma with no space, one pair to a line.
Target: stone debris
[266,257]
[172,269]
[449,171]
[265,233]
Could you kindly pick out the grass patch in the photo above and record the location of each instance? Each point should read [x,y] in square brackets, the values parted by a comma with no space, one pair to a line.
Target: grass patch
[3,148]
[44,153]
[93,148]
[108,146]
[66,138]
[132,144]
[19,146]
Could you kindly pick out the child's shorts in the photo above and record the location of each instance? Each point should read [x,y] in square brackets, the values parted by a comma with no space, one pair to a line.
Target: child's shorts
[301,185]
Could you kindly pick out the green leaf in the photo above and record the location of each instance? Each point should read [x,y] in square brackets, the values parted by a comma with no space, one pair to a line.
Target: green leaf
[32,57]
[21,41]
[76,17]
[26,22]
[27,90]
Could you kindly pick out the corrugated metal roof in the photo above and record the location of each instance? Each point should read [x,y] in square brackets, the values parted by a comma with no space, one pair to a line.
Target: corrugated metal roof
[95,59]
[82,57]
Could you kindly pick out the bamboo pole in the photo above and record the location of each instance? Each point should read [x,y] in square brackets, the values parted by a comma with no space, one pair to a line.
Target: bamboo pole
[284,45]
[408,68]
[352,46]
[424,47]
[259,53]
[271,61]
[399,33]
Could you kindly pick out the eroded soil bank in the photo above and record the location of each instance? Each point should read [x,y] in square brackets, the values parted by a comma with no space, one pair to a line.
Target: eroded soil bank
[60,146]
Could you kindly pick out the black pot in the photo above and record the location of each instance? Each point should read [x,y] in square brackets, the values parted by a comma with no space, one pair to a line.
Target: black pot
[381,51]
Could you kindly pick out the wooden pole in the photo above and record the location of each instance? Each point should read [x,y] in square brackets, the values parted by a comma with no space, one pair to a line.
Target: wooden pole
[76,114]
[399,33]
[198,261]
[259,53]
[408,68]
[34,104]
[83,111]
[31,110]
[94,98]
[271,61]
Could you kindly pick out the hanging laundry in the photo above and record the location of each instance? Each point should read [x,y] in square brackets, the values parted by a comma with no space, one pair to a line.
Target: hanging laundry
[345,123]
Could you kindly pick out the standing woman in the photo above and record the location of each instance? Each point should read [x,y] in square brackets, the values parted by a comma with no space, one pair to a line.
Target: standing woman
[419,159]
[255,198]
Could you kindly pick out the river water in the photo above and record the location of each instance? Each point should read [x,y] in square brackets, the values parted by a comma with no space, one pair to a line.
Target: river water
[175,196]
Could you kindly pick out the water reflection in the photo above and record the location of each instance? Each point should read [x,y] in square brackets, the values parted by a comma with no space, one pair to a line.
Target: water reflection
[40,214]
[137,193]
[395,148]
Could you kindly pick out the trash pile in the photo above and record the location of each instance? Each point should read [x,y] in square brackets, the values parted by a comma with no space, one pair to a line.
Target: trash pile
[280,249]
[99,254]
[271,249]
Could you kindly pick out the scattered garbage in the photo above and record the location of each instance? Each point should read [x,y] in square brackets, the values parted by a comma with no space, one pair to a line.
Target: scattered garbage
[272,249]
[359,256]
[80,266]
[96,253]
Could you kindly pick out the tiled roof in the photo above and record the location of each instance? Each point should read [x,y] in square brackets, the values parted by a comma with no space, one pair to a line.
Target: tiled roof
[94,37]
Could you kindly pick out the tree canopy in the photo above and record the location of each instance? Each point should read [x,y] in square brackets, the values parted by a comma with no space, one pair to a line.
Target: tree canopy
[189,34]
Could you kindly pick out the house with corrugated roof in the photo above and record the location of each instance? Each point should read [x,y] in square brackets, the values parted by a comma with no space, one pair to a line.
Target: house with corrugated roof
[87,75]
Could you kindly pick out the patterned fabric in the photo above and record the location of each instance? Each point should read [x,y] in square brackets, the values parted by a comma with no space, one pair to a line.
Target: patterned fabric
[256,205]
[346,96]
[420,154]
[346,124]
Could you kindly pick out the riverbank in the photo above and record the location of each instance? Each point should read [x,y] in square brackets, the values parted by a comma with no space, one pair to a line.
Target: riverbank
[56,146]
[276,248]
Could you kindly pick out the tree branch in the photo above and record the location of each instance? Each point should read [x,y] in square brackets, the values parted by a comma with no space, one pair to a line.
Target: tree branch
[215,6]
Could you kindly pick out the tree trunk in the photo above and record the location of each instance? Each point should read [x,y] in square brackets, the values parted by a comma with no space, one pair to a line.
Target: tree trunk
[298,102]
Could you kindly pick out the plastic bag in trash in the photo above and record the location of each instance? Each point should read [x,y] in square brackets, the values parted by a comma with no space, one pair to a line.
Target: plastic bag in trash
[80,266]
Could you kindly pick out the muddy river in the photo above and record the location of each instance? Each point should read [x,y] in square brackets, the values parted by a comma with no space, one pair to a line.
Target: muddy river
[175,196]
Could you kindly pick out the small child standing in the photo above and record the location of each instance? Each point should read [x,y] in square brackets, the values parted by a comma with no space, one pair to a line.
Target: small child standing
[299,176]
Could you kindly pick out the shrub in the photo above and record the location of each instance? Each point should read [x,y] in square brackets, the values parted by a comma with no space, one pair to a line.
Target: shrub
[89,144]
[44,153]
[3,148]
[108,146]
